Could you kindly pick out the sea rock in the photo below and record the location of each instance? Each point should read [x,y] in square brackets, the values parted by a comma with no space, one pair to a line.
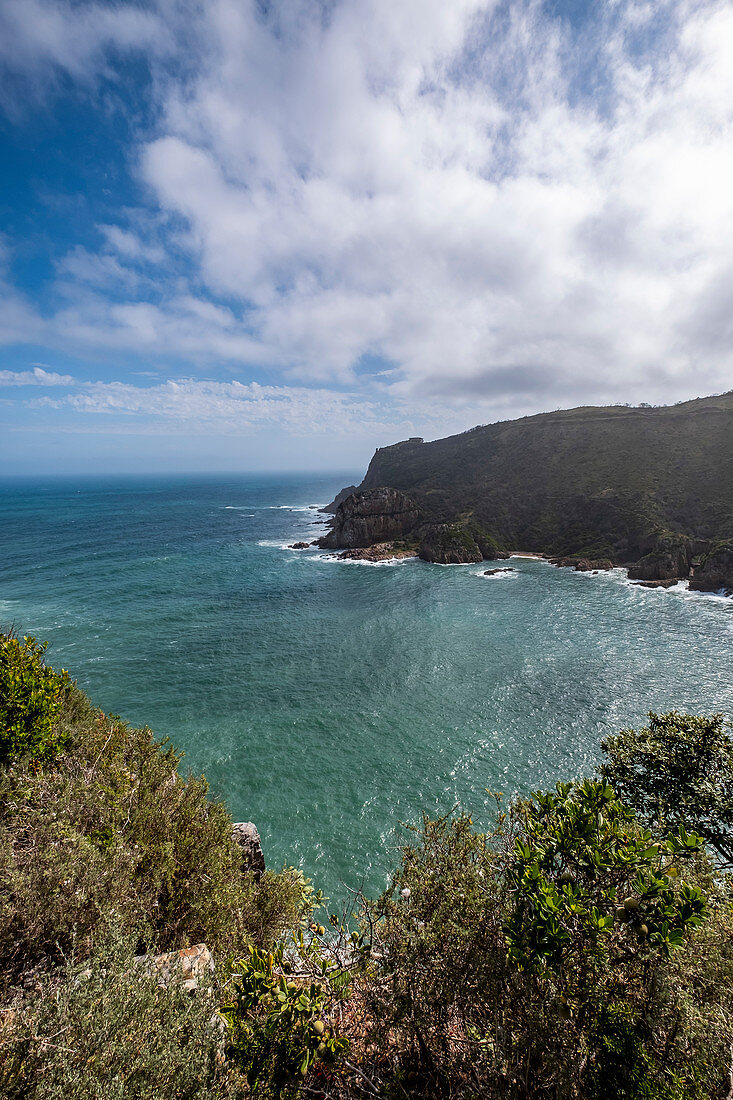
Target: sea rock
[189,965]
[582,565]
[669,560]
[493,572]
[449,544]
[298,546]
[247,837]
[381,551]
[716,571]
[657,584]
[365,518]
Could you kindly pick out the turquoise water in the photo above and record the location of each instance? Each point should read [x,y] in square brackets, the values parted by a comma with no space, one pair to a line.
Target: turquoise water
[329,701]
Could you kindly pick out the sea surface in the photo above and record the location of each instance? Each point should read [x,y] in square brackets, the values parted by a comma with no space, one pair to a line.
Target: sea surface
[331,701]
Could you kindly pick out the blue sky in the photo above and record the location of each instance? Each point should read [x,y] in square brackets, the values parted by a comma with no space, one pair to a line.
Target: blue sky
[252,235]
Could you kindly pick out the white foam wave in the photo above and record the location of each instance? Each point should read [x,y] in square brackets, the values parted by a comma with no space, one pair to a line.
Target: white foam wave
[277,544]
[360,561]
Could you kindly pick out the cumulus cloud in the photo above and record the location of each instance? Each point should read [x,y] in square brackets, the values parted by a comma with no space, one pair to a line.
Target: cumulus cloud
[442,185]
[504,211]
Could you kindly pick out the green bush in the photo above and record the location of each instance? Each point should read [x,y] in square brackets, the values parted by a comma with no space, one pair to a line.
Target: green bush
[109,831]
[31,696]
[103,1029]
[523,962]
[678,770]
[280,1021]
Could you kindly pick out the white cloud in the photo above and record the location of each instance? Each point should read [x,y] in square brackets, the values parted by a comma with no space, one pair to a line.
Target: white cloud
[36,377]
[433,183]
[511,216]
[41,38]
[196,406]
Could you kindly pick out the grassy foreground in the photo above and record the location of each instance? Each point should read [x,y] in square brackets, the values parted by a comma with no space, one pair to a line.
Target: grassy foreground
[580,948]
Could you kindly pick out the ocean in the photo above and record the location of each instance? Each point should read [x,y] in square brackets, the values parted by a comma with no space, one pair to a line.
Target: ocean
[333,703]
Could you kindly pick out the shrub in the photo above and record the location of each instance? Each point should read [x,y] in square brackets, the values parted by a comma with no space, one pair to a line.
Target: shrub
[280,1011]
[678,770]
[523,962]
[31,696]
[104,1030]
[110,831]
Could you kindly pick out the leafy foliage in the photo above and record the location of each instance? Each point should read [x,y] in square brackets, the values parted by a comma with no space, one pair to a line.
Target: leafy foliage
[678,770]
[279,1020]
[31,696]
[587,884]
[510,955]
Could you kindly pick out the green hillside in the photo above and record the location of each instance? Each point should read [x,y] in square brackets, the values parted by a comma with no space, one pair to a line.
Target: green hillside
[582,480]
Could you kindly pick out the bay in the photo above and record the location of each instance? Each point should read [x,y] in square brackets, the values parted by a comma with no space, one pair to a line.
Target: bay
[329,701]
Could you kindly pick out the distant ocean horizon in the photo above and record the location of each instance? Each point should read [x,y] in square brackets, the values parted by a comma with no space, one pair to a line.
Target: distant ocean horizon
[330,701]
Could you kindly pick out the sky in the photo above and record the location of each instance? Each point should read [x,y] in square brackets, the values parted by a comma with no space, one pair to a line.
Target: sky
[276,234]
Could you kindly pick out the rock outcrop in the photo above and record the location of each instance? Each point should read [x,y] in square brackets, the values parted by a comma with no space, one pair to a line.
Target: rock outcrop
[365,518]
[189,966]
[339,498]
[669,560]
[381,551]
[716,571]
[449,544]
[657,584]
[583,565]
[248,838]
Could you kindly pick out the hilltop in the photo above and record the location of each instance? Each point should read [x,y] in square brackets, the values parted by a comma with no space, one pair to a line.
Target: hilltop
[608,482]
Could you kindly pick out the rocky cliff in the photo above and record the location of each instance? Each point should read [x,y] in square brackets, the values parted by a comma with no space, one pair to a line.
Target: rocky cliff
[715,571]
[365,518]
[650,486]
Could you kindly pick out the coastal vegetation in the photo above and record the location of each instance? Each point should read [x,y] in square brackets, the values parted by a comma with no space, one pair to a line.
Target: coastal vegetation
[578,946]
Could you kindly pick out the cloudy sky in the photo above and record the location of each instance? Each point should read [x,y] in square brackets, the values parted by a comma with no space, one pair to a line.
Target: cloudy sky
[241,234]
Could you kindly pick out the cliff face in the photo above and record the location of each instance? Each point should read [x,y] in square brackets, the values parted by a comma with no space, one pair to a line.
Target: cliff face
[364,518]
[593,482]
[716,571]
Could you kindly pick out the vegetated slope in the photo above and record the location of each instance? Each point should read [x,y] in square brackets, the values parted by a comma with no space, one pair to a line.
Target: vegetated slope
[587,479]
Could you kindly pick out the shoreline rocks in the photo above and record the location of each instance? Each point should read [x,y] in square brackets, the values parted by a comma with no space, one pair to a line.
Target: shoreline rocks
[493,572]
[670,559]
[380,551]
[670,583]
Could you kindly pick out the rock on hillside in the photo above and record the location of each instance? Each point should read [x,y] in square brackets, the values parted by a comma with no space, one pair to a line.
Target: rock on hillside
[364,518]
[716,571]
